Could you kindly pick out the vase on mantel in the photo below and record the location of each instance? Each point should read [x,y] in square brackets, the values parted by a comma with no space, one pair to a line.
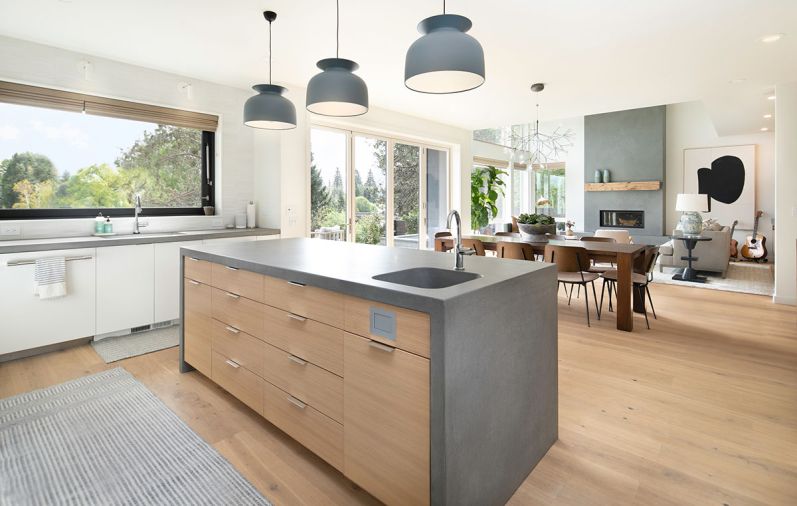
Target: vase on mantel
[598,176]
[607,176]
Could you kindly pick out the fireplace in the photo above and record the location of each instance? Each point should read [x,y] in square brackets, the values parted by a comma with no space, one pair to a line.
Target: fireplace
[622,219]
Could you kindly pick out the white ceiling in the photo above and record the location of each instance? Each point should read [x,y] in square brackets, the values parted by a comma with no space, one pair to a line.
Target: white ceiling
[595,56]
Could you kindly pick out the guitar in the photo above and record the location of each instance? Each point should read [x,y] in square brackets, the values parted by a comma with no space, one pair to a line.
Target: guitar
[734,243]
[754,247]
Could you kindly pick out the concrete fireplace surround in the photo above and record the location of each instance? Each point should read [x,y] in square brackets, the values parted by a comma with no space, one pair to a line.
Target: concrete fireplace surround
[631,144]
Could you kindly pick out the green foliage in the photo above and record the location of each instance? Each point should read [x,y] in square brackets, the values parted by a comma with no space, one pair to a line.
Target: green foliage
[31,167]
[486,185]
[371,190]
[319,198]
[411,219]
[338,192]
[363,205]
[331,218]
[536,219]
[369,229]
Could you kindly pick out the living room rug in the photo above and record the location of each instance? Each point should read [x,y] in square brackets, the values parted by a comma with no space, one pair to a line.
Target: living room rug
[743,277]
[106,439]
[112,349]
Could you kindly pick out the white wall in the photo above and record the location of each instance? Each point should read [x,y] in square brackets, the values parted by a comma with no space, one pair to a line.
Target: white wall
[689,126]
[288,153]
[785,194]
[29,63]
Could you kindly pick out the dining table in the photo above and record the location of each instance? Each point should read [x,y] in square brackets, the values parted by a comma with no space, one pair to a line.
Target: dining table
[629,301]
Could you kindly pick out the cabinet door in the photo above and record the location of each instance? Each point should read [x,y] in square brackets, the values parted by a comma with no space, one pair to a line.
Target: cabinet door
[125,277]
[386,421]
[26,321]
[167,279]
[197,326]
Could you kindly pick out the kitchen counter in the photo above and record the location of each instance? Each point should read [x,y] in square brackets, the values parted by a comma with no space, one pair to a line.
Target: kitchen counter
[51,243]
[493,351]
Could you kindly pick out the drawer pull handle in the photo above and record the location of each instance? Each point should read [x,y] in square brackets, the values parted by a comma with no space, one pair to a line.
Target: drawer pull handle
[193,259]
[232,364]
[296,402]
[296,283]
[380,346]
[193,282]
[297,317]
[232,329]
[231,268]
[232,295]
[296,360]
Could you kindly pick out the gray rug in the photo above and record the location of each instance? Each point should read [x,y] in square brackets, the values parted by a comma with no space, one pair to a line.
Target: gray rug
[106,439]
[112,349]
[742,277]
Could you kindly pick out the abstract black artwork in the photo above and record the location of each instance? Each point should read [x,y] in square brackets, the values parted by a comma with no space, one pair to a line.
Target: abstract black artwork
[723,182]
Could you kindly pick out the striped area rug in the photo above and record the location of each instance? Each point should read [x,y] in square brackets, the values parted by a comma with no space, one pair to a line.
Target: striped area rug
[106,439]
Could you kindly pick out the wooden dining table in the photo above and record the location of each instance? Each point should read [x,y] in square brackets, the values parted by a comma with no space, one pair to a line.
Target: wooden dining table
[629,300]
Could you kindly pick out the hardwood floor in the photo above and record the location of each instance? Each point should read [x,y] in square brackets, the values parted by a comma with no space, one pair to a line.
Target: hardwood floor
[702,409]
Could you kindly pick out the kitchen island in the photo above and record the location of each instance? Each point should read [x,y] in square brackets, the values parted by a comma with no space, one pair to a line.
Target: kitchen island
[420,395]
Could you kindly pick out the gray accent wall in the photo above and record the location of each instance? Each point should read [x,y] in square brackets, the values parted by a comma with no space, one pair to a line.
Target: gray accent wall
[631,144]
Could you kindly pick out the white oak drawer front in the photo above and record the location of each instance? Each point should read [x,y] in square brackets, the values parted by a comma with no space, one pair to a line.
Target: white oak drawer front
[197,326]
[244,283]
[239,381]
[319,433]
[313,341]
[238,312]
[239,346]
[308,301]
[410,328]
[198,270]
[317,387]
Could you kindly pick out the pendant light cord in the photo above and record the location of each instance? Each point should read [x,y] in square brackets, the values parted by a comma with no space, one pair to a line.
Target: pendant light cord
[269,52]
[444,6]
[337,28]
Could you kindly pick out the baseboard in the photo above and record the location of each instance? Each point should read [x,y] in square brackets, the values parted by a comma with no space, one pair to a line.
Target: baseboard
[16,355]
[780,299]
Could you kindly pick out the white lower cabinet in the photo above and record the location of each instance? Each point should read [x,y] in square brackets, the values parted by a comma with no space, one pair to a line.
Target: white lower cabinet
[125,287]
[167,279]
[26,321]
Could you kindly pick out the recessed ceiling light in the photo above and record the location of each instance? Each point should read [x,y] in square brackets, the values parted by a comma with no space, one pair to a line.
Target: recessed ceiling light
[773,37]
[767,116]
[764,129]
[771,97]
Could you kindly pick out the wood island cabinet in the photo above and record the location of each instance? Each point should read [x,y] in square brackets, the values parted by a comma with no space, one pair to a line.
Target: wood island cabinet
[314,363]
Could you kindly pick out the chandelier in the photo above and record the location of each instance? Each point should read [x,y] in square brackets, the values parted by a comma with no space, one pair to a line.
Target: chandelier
[538,148]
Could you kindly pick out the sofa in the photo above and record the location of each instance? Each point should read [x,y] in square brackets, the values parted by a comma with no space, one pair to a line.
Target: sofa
[712,256]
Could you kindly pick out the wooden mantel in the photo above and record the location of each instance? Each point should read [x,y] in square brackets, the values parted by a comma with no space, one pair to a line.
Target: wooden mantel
[622,186]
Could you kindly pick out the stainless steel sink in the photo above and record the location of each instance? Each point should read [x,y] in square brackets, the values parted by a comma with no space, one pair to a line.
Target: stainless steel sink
[427,277]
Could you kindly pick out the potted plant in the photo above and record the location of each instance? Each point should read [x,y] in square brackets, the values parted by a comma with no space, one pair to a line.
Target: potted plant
[486,185]
[536,226]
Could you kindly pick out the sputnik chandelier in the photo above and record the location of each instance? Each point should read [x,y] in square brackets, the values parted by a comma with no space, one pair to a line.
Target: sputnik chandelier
[536,148]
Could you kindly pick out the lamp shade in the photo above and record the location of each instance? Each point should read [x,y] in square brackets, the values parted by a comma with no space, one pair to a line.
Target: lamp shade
[337,91]
[269,109]
[692,202]
[445,59]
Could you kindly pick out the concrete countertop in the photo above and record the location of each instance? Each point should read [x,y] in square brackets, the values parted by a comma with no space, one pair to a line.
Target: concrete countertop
[349,268]
[54,243]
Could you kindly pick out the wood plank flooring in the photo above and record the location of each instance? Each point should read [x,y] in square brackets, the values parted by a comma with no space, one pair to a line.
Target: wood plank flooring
[702,409]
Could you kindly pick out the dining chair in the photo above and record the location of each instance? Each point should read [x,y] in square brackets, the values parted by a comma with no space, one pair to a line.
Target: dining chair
[444,243]
[600,259]
[641,278]
[444,233]
[515,250]
[572,263]
[476,244]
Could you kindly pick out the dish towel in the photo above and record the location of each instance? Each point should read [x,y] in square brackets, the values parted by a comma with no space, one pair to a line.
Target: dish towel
[50,277]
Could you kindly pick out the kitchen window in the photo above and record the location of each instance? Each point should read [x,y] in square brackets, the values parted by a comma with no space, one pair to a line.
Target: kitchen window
[67,155]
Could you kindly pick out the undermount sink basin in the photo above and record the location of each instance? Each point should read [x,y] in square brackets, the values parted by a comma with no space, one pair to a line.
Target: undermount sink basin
[427,277]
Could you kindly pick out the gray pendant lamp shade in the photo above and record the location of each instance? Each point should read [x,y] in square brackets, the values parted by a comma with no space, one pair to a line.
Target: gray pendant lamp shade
[445,59]
[269,109]
[337,91]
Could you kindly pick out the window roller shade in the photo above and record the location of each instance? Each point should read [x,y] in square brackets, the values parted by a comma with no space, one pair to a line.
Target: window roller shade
[22,94]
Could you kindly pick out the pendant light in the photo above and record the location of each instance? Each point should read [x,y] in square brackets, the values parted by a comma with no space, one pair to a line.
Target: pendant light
[337,91]
[445,59]
[269,109]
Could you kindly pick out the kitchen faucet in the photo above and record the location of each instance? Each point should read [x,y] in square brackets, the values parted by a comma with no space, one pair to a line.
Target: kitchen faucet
[136,212]
[459,251]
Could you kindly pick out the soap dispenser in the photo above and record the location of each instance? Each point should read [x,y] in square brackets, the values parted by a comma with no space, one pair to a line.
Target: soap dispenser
[108,228]
[99,224]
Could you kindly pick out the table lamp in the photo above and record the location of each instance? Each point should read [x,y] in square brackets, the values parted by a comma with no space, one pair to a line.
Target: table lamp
[691,204]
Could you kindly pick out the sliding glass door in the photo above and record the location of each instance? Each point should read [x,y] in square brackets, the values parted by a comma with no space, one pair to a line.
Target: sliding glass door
[376,190]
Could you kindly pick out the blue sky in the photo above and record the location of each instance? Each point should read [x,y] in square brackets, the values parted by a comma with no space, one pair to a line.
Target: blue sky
[71,140]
